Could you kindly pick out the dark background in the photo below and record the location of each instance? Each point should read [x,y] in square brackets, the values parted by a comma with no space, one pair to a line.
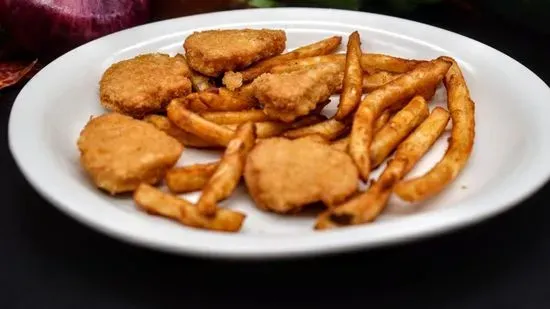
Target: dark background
[47,260]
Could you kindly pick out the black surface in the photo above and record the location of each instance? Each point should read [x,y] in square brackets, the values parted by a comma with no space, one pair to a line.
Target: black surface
[47,260]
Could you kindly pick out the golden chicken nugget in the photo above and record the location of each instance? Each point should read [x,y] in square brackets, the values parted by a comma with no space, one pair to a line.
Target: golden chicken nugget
[353,78]
[399,127]
[156,202]
[185,138]
[462,110]
[230,169]
[368,205]
[213,52]
[119,152]
[195,124]
[285,175]
[144,84]
[323,47]
[288,96]
[189,178]
[425,75]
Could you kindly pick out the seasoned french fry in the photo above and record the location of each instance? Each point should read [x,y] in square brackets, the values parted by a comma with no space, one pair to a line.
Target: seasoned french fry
[368,205]
[226,177]
[267,129]
[423,76]
[254,115]
[193,123]
[373,63]
[377,80]
[381,121]
[159,203]
[298,64]
[323,47]
[189,178]
[187,139]
[329,129]
[353,78]
[400,125]
[462,110]
[218,99]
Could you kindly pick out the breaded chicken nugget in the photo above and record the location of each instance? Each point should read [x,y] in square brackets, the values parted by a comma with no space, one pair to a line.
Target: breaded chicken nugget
[119,152]
[144,84]
[284,175]
[287,96]
[213,52]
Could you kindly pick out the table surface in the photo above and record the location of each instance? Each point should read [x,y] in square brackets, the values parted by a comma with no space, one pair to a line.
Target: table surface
[48,260]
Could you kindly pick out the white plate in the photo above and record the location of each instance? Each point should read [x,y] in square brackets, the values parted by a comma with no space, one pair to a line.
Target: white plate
[509,162]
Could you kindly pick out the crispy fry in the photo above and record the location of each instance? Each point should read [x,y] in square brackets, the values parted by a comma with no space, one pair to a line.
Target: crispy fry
[253,115]
[267,129]
[226,177]
[368,205]
[377,80]
[423,76]
[404,122]
[201,82]
[187,139]
[218,99]
[157,202]
[193,123]
[190,178]
[323,47]
[462,110]
[381,121]
[329,129]
[353,78]
[299,64]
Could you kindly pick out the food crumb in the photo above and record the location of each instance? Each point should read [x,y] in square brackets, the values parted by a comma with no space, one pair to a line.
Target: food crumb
[232,80]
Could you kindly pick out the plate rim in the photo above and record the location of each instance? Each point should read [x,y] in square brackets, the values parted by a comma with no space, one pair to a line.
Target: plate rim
[37,182]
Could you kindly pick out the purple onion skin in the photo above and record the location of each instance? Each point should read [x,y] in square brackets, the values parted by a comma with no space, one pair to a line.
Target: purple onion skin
[49,28]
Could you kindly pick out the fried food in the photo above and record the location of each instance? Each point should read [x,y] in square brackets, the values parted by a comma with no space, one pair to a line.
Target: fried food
[195,124]
[342,143]
[254,115]
[156,202]
[201,82]
[230,169]
[378,80]
[219,99]
[119,152]
[285,175]
[232,80]
[323,47]
[399,127]
[189,178]
[213,52]
[461,143]
[288,96]
[368,205]
[329,129]
[353,79]
[425,75]
[144,84]
[185,138]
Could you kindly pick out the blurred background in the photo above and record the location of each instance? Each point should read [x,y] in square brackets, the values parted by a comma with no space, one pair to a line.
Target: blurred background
[34,32]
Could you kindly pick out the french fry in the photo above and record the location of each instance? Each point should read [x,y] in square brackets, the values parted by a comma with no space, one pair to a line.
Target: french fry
[218,99]
[237,117]
[342,143]
[405,87]
[323,47]
[267,129]
[201,82]
[156,202]
[373,63]
[195,124]
[462,110]
[329,129]
[298,64]
[318,138]
[377,80]
[191,178]
[187,139]
[353,78]
[400,125]
[367,206]
[226,177]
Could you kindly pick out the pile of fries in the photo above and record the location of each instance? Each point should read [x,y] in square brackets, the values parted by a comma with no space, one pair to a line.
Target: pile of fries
[383,116]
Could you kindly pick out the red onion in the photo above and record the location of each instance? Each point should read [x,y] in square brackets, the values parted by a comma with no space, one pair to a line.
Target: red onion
[50,28]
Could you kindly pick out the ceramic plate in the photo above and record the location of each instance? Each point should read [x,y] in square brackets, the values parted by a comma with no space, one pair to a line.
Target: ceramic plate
[510,160]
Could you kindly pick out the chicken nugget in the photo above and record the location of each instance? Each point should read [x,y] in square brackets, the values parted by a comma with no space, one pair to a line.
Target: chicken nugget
[213,52]
[285,175]
[144,84]
[119,152]
[287,96]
